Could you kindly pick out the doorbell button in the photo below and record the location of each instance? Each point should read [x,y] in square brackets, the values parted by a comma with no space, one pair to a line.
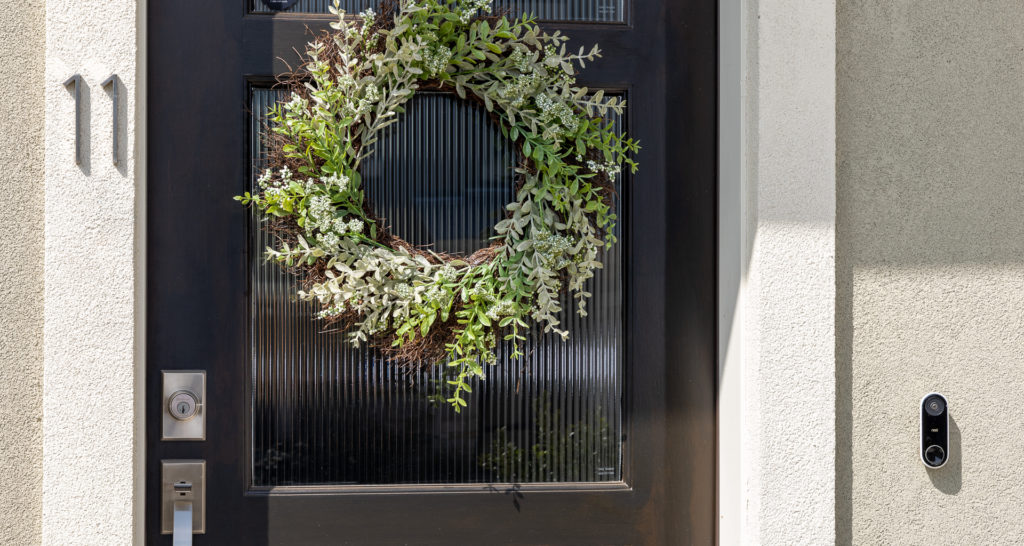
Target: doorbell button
[934,456]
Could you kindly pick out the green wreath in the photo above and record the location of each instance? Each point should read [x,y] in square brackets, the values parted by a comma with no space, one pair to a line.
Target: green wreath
[419,306]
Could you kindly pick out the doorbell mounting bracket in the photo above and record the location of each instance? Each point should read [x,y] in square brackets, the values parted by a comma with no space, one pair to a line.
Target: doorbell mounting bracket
[934,430]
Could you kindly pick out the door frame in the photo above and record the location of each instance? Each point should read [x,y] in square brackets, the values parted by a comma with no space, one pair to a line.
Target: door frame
[674,417]
[689,414]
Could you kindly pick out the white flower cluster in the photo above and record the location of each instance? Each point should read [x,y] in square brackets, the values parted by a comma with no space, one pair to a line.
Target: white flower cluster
[266,178]
[332,311]
[341,226]
[330,241]
[368,16]
[488,356]
[297,104]
[436,59]
[553,109]
[272,186]
[435,294]
[321,211]
[519,88]
[552,249]
[346,80]
[366,104]
[339,181]
[446,274]
[503,308]
[520,61]
[321,217]
[478,290]
[404,291]
[372,94]
[468,8]
[611,168]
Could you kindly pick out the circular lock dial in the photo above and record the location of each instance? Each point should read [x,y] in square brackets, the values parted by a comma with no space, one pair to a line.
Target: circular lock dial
[183,405]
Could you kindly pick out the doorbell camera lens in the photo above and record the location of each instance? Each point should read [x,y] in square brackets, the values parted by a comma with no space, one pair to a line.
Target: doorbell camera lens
[934,455]
[934,406]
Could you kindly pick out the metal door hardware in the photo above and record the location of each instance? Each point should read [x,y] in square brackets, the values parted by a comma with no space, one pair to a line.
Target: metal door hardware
[184,405]
[183,499]
[76,80]
[112,81]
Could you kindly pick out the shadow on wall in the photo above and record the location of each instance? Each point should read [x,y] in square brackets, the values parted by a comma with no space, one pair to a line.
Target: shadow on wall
[928,189]
[844,392]
[949,478]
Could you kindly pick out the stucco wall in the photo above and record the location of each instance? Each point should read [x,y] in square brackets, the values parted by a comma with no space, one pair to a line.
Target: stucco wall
[92,320]
[930,243]
[21,262]
[786,284]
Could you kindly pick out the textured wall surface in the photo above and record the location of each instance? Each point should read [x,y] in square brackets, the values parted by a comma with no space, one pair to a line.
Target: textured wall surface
[930,268]
[21,272]
[90,439]
[788,303]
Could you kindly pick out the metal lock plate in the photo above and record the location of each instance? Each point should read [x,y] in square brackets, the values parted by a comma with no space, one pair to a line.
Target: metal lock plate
[184,405]
[183,481]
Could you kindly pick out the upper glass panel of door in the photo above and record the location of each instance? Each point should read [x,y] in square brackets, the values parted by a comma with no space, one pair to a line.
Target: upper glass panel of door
[577,11]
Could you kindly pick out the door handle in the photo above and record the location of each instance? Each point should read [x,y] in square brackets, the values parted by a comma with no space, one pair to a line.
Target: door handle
[182,534]
[183,499]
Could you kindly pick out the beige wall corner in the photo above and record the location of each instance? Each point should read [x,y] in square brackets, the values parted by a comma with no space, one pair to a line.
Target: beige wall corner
[786,285]
[931,269]
[90,435]
[23,51]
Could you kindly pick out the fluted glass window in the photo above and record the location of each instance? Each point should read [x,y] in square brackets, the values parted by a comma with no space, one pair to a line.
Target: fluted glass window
[327,413]
[581,11]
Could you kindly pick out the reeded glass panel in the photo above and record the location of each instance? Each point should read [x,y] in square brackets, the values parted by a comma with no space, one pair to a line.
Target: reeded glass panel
[442,176]
[582,11]
[326,413]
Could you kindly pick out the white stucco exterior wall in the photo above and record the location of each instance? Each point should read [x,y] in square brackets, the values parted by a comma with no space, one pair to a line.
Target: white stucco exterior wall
[91,436]
[777,396]
[22,51]
[930,103]
[931,269]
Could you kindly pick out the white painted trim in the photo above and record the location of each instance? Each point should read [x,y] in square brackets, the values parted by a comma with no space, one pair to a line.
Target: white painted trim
[731,64]
[141,105]
[776,339]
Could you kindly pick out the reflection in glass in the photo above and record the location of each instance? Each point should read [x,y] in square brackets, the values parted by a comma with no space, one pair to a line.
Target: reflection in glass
[326,413]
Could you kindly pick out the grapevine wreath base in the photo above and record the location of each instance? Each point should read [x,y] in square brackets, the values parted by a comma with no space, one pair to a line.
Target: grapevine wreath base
[417,305]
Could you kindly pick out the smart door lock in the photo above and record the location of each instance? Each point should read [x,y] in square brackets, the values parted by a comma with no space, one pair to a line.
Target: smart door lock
[934,430]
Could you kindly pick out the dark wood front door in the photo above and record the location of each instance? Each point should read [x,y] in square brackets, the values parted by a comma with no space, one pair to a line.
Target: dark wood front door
[611,437]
